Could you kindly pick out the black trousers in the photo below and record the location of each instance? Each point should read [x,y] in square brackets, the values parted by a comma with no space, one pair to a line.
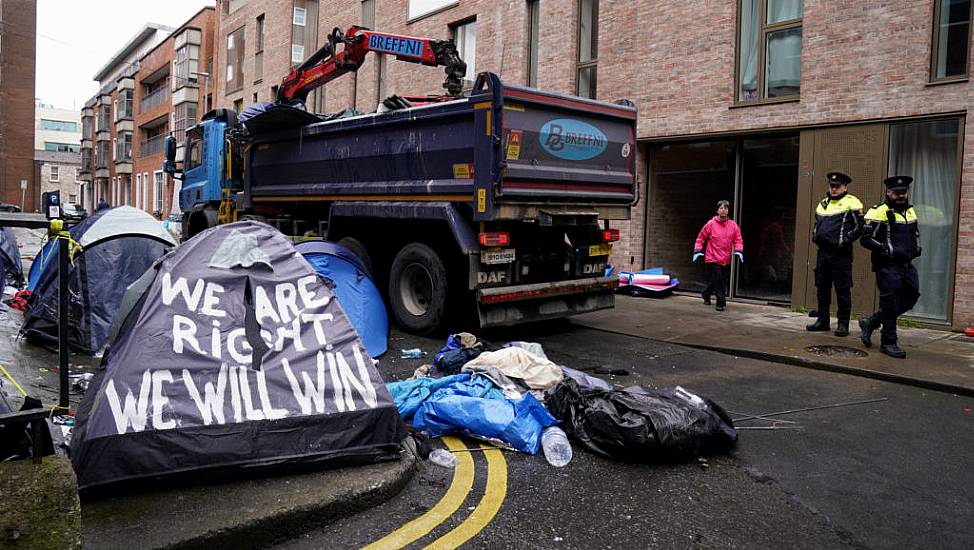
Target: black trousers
[834,269]
[715,286]
[899,290]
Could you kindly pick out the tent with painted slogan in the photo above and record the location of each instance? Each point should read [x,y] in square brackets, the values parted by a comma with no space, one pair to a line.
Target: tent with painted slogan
[118,245]
[231,355]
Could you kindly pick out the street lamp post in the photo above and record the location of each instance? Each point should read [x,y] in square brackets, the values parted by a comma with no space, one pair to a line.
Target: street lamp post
[206,90]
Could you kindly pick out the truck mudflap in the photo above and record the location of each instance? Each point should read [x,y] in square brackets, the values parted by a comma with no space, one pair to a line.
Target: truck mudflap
[510,305]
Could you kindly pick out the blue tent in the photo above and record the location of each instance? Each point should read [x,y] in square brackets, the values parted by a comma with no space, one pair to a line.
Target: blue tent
[44,255]
[356,292]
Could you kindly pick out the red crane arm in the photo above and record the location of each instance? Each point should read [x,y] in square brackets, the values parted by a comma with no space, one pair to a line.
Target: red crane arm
[328,63]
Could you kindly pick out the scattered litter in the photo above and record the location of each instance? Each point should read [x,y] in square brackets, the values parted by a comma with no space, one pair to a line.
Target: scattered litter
[79,382]
[557,449]
[442,457]
[412,353]
[967,409]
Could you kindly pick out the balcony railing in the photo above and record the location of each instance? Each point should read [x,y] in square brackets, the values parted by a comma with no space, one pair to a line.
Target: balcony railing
[155,98]
[152,146]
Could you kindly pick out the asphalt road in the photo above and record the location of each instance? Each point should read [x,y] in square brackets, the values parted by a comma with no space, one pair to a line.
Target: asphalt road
[893,474]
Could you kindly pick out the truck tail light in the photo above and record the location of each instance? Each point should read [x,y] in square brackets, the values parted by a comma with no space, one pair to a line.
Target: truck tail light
[495,238]
[610,235]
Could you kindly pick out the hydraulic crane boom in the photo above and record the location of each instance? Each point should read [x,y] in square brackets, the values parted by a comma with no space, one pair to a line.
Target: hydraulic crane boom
[328,63]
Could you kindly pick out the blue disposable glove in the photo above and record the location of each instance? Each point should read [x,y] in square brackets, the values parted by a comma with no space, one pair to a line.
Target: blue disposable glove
[740,256]
[697,256]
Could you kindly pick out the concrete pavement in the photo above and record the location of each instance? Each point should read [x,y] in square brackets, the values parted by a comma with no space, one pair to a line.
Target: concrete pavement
[937,360]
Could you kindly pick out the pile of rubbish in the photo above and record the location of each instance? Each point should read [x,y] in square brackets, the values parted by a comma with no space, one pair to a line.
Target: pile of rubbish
[516,398]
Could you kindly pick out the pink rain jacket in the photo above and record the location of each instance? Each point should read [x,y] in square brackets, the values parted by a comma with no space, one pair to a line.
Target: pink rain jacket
[721,238]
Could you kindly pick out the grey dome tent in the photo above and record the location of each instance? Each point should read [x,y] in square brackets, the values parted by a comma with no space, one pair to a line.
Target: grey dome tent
[119,244]
[11,268]
[230,355]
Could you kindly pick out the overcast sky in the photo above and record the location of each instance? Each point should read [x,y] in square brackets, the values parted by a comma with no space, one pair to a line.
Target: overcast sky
[75,38]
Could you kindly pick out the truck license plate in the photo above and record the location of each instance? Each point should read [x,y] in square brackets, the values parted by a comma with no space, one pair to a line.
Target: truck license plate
[497,256]
[599,250]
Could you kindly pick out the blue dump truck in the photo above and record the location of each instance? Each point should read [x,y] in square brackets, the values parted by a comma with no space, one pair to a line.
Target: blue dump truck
[499,203]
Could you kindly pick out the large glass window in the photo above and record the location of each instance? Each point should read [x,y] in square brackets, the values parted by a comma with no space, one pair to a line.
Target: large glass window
[465,35]
[187,65]
[304,30]
[767,198]
[185,117]
[235,57]
[929,151]
[951,39]
[769,49]
[686,181]
[59,125]
[588,48]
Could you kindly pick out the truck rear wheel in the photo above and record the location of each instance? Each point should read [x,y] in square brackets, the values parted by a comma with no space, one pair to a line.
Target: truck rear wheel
[418,288]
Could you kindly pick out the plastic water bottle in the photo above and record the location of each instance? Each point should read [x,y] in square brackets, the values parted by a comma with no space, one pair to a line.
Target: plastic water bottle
[442,457]
[413,353]
[557,449]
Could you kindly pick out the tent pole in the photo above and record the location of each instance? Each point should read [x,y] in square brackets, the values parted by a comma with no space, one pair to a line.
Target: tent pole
[63,314]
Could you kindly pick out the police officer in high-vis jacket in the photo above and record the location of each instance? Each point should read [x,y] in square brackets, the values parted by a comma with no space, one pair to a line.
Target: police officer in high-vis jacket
[838,224]
[892,234]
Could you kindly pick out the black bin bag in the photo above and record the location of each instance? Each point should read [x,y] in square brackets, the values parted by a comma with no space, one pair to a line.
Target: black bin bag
[641,424]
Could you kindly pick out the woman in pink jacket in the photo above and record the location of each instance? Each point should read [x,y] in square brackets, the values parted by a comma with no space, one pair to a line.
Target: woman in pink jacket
[722,239]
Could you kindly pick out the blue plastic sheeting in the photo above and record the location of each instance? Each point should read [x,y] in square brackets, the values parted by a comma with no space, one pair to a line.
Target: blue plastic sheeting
[410,394]
[475,406]
[356,293]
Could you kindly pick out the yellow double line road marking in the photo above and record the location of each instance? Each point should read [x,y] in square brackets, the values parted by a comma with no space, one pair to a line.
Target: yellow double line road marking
[451,501]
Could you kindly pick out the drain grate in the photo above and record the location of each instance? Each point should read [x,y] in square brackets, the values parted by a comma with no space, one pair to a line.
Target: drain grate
[836,351]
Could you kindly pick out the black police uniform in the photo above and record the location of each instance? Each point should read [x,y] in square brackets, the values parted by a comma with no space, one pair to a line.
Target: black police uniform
[838,224]
[893,236]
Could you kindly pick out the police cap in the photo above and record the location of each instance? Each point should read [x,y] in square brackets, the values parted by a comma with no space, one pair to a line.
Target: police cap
[898,183]
[838,178]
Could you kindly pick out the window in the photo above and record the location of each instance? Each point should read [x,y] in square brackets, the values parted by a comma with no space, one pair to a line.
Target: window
[138,188]
[86,127]
[419,8]
[101,154]
[125,104]
[104,118]
[185,118]
[55,146]
[186,66]
[159,187]
[951,39]
[930,152]
[59,125]
[123,144]
[465,35]
[259,54]
[114,190]
[368,14]
[55,173]
[146,199]
[588,48]
[770,49]
[235,57]
[238,105]
[194,150]
[534,23]
[72,199]
[304,29]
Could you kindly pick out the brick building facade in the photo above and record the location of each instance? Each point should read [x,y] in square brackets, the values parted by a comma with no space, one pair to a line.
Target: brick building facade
[18,21]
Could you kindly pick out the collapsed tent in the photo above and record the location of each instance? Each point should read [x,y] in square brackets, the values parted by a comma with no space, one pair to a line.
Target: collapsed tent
[230,355]
[118,245]
[11,268]
[356,292]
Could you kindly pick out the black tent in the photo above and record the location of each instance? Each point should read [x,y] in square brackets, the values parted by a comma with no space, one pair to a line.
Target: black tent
[118,245]
[231,354]
[11,268]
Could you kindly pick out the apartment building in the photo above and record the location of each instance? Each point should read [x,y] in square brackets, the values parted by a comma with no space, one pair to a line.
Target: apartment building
[57,145]
[107,122]
[18,22]
[748,100]
[158,84]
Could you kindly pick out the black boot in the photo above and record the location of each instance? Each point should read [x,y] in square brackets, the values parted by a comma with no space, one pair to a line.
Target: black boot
[842,329]
[866,332]
[893,351]
[821,325]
